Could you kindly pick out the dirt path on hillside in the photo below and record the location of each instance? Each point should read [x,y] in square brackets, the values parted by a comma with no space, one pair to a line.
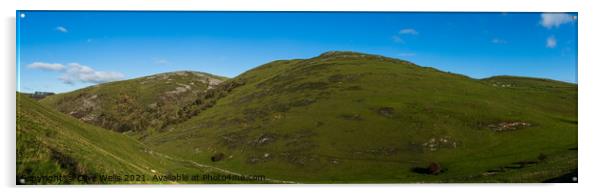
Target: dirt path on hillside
[220,169]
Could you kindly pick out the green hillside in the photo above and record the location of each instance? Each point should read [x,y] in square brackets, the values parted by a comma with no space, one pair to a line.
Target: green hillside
[142,105]
[50,143]
[352,117]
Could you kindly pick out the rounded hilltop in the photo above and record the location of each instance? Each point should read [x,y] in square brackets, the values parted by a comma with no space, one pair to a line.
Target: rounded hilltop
[186,73]
[140,105]
[356,55]
[345,53]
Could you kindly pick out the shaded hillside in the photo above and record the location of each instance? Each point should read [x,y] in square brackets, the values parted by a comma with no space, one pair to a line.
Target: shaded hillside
[51,144]
[352,117]
[143,104]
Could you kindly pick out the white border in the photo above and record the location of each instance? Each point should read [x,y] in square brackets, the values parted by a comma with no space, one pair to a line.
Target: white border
[305,5]
[588,78]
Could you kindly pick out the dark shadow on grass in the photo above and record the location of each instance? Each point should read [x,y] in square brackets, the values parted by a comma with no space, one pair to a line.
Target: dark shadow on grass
[430,170]
[566,178]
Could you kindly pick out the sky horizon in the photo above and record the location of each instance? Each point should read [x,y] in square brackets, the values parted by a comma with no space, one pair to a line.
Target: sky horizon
[61,51]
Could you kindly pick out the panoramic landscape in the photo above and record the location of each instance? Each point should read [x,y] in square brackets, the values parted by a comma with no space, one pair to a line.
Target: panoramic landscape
[501,109]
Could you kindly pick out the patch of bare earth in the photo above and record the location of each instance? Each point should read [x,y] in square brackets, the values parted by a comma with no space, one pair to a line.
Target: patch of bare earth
[508,126]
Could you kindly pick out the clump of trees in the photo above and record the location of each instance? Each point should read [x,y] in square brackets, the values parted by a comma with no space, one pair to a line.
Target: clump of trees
[204,101]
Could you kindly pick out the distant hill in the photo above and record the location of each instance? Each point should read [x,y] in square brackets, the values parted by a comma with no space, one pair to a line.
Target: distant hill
[38,95]
[142,105]
[354,117]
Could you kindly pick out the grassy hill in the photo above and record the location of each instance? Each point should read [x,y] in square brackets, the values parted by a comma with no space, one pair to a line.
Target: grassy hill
[50,143]
[345,117]
[142,105]
[352,117]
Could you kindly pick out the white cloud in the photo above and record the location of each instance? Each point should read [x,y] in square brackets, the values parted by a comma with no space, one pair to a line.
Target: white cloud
[402,32]
[408,31]
[498,41]
[85,74]
[550,20]
[397,39]
[551,42]
[61,29]
[46,66]
[76,72]
[161,62]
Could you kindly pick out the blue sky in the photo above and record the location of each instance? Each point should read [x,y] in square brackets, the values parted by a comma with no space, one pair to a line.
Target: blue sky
[64,51]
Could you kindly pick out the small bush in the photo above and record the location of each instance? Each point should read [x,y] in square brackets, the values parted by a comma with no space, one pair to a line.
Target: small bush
[217,157]
[542,157]
[434,168]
